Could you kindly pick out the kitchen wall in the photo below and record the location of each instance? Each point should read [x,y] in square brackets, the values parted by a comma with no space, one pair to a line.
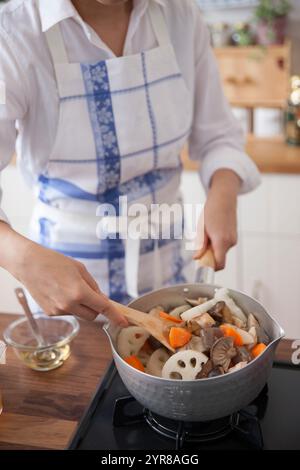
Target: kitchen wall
[235,15]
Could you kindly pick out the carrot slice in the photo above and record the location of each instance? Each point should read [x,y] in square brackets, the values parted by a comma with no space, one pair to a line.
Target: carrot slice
[166,316]
[258,349]
[135,362]
[229,331]
[179,337]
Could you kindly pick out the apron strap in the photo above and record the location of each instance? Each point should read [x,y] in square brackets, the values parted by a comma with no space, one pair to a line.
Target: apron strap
[56,45]
[159,23]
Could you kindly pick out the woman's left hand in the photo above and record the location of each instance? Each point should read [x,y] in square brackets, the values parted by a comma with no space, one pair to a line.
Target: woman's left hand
[220,216]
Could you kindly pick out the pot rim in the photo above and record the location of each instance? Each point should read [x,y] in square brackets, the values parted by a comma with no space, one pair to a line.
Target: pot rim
[281,334]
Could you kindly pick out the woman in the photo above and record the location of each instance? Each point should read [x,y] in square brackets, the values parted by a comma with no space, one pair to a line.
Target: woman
[104,94]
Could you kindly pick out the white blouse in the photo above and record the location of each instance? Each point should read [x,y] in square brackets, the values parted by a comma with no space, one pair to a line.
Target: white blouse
[29,116]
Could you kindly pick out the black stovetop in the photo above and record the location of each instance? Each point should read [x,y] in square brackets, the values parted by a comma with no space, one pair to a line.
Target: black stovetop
[115,421]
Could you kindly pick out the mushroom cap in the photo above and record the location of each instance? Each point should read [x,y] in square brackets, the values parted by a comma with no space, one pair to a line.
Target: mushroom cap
[222,352]
[209,336]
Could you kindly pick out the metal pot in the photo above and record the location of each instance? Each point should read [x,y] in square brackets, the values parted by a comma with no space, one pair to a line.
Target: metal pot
[205,399]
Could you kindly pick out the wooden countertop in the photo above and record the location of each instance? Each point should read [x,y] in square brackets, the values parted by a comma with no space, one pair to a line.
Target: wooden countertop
[270,155]
[42,409]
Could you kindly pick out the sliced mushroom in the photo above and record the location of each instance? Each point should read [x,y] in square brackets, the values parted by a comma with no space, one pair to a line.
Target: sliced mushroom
[209,336]
[216,312]
[222,352]
[243,355]
[195,344]
[177,311]
[205,371]
[184,365]
[238,366]
[205,320]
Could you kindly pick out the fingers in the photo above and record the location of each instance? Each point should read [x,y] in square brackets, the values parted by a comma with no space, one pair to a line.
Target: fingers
[221,245]
[84,312]
[200,252]
[89,279]
[98,302]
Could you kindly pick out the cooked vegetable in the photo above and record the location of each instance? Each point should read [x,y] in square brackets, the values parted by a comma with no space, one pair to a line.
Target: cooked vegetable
[223,294]
[216,312]
[184,365]
[238,366]
[258,349]
[222,352]
[195,344]
[217,327]
[197,311]
[216,372]
[252,331]
[227,315]
[130,340]
[155,312]
[205,371]
[209,336]
[177,311]
[230,331]
[147,348]
[205,320]
[240,336]
[157,362]
[179,337]
[167,316]
[135,362]
[242,355]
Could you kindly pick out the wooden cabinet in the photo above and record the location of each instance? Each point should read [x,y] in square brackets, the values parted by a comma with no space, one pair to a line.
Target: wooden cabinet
[255,76]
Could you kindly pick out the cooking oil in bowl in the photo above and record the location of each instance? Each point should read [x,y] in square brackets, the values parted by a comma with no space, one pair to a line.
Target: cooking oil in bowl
[47,359]
[57,332]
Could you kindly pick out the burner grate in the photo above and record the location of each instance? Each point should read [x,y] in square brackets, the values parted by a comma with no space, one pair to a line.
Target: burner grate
[243,425]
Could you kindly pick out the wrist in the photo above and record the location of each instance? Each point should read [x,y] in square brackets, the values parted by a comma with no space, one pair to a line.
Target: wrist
[225,183]
[13,257]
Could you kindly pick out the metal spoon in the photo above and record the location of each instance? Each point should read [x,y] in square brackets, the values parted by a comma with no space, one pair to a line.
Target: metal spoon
[32,322]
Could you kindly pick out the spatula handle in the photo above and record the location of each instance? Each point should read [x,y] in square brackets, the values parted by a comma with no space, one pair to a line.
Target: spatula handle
[135,316]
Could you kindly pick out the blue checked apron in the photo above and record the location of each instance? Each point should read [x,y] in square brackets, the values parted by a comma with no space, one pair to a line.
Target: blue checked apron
[122,125]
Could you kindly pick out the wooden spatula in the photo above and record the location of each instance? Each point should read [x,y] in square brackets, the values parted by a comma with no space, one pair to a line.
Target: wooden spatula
[206,267]
[155,326]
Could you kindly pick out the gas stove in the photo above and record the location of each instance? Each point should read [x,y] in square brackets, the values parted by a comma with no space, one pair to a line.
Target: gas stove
[116,421]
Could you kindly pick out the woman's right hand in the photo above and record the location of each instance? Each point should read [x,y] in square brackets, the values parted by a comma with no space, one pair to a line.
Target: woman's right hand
[59,284]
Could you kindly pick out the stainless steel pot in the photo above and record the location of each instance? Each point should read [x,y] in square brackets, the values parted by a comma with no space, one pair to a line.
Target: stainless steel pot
[205,399]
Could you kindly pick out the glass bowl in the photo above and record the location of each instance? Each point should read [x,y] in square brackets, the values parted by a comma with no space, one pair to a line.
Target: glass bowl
[58,332]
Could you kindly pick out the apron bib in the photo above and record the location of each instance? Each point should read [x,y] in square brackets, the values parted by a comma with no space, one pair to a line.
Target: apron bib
[122,125]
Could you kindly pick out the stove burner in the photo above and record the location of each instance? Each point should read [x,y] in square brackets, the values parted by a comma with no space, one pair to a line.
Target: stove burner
[244,424]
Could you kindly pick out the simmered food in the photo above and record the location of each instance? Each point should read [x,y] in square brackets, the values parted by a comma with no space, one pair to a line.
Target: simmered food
[211,337]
